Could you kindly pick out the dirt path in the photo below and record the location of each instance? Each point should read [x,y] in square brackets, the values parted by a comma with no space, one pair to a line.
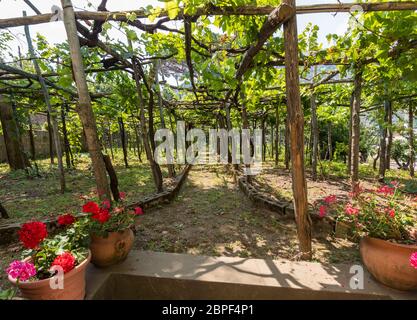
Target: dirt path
[212,217]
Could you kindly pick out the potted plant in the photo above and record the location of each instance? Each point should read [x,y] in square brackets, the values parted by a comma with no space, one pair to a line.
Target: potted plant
[111,232]
[384,226]
[52,268]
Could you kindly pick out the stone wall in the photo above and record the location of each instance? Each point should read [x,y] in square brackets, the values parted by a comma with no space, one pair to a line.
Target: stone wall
[41,145]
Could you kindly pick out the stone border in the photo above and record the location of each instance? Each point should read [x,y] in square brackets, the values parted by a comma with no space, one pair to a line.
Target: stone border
[8,231]
[285,208]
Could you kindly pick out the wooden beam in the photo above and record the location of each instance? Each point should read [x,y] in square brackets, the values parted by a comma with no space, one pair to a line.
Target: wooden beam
[213,10]
[276,18]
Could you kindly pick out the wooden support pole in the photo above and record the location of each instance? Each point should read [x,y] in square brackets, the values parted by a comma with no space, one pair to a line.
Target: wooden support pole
[296,128]
[54,123]
[84,108]
[411,137]
[356,108]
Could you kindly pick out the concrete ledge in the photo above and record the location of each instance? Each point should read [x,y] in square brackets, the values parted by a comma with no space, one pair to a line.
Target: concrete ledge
[153,275]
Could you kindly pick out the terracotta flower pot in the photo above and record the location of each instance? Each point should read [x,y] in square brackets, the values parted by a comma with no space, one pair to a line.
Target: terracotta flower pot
[112,249]
[389,262]
[74,285]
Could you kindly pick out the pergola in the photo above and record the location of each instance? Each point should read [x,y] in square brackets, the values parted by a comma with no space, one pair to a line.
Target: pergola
[284,15]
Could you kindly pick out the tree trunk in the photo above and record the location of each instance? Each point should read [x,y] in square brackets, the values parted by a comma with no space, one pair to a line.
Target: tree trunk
[14,148]
[329,141]
[156,170]
[3,212]
[51,144]
[277,135]
[263,127]
[171,168]
[349,157]
[138,142]
[315,135]
[123,140]
[114,182]
[390,136]
[376,158]
[411,137]
[383,145]
[296,130]
[111,142]
[67,147]
[84,108]
[245,125]
[53,122]
[356,129]
[32,140]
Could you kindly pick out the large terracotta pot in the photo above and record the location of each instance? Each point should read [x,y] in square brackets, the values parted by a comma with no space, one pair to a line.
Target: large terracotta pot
[112,249]
[389,262]
[74,285]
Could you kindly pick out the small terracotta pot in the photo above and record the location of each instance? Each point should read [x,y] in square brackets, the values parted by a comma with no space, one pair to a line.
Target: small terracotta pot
[389,263]
[112,249]
[74,285]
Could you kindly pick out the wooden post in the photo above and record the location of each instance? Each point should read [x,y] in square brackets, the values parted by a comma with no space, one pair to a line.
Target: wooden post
[296,130]
[349,156]
[54,124]
[356,108]
[383,145]
[122,132]
[411,137]
[389,136]
[277,142]
[315,136]
[84,108]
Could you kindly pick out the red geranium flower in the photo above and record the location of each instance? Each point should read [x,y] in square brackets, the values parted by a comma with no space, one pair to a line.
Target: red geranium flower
[122,195]
[391,212]
[323,211]
[386,190]
[91,207]
[330,199]
[66,219]
[138,211]
[65,260]
[106,204]
[102,215]
[32,233]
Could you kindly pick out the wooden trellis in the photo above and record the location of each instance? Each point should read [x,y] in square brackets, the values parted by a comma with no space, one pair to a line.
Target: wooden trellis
[285,14]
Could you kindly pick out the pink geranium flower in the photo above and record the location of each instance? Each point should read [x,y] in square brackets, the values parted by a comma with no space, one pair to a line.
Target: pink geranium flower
[21,270]
[122,195]
[395,183]
[413,260]
[350,210]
